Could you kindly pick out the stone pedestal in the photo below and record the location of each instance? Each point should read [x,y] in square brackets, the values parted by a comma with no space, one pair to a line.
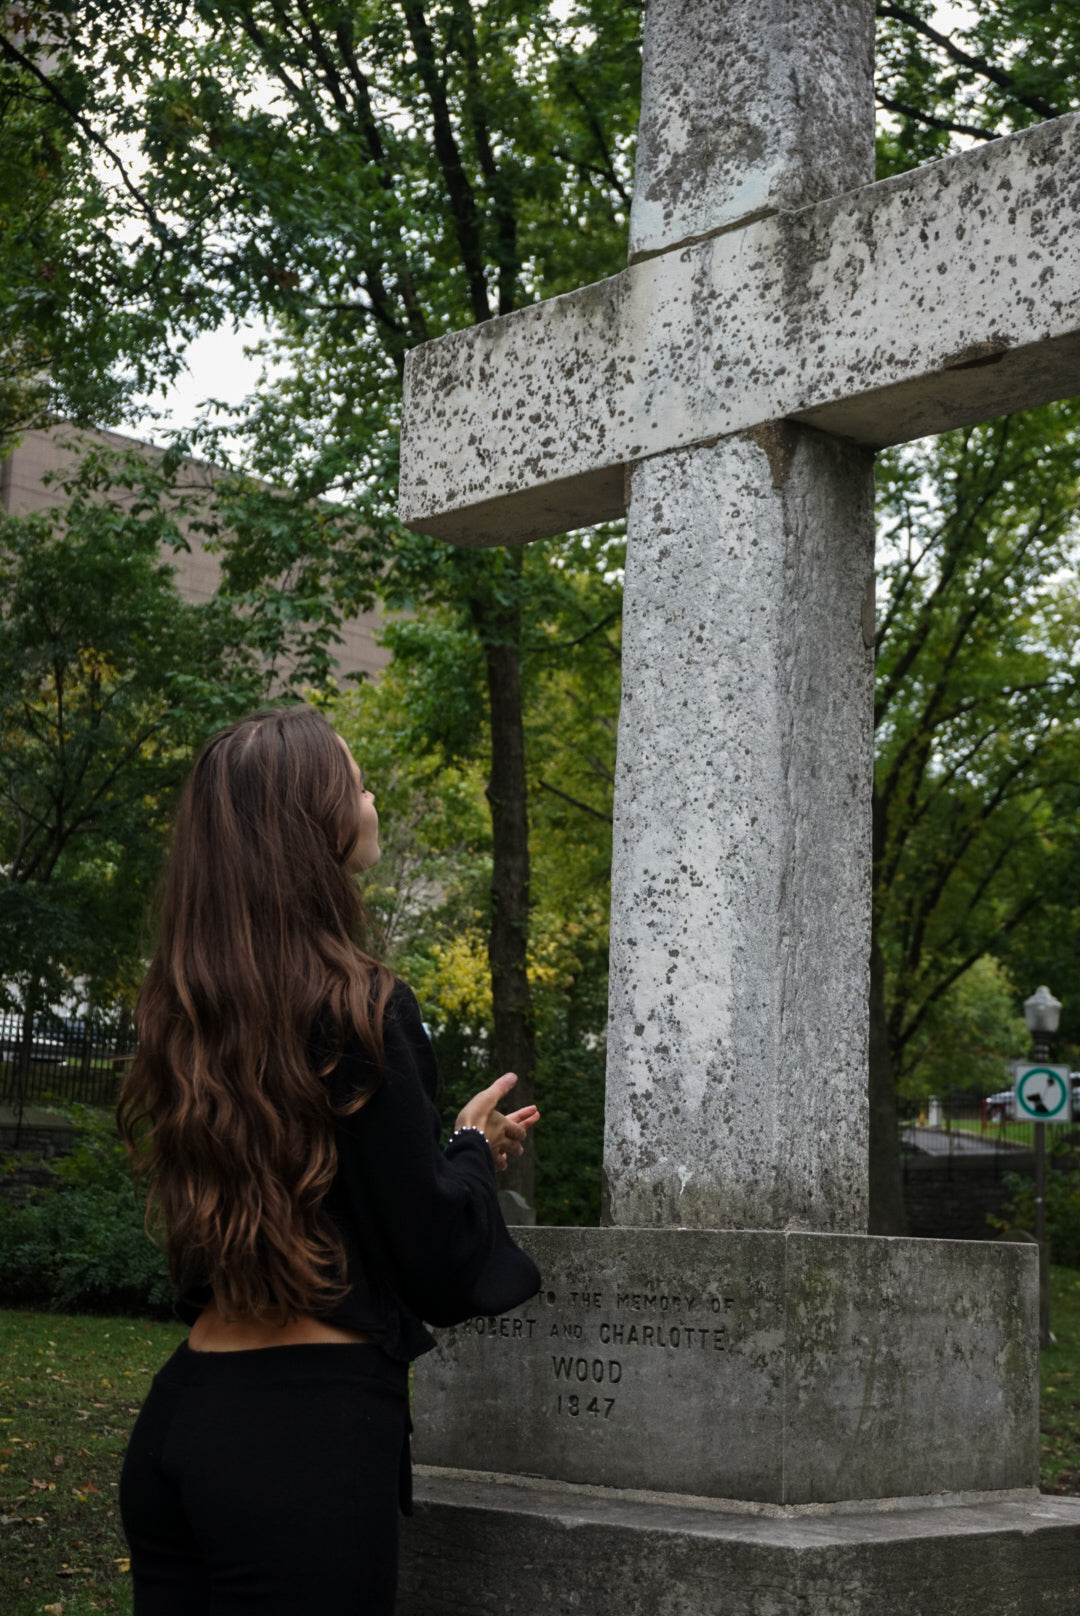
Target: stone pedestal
[702,1423]
[754,1368]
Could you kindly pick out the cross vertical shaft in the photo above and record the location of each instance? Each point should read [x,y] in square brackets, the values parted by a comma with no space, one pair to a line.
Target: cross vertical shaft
[748,107]
[737,1056]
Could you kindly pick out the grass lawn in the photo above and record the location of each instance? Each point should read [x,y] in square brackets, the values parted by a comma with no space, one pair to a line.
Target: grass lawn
[1059,1406]
[1020,1135]
[70,1388]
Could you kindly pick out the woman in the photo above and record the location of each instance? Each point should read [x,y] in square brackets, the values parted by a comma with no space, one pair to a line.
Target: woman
[281,1103]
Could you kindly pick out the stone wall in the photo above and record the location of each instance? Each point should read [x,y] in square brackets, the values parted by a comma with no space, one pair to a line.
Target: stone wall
[950,1197]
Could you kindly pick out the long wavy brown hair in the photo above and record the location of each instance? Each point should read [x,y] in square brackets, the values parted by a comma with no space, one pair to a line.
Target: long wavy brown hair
[259,954]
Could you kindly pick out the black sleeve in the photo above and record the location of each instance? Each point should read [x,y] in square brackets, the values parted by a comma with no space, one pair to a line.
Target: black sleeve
[429,1218]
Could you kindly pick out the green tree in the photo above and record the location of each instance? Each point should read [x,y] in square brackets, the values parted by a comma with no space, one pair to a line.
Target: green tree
[369,177]
[108,681]
[978,715]
[424,740]
[973,807]
[1010,64]
[82,294]
[962,1042]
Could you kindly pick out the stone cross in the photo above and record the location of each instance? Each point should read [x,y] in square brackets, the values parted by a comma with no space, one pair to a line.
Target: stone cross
[711,1415]
[781,319]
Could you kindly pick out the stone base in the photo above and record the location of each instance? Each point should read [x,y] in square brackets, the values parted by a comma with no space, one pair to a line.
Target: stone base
[782,1368]
[478,1543]
[516,1211]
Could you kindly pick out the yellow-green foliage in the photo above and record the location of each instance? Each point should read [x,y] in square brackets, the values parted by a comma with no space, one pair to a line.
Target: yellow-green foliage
[453,978]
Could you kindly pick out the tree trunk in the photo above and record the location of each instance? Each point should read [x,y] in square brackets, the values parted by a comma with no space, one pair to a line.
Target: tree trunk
[515,1049]
[887,1214]
[25,1056]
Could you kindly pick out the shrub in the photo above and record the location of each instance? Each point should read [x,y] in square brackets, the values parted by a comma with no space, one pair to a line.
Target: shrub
[81,1244]
[1062,1209]
[81,1250]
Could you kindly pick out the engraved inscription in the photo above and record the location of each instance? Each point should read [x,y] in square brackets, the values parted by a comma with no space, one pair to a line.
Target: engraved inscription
[577,1328]
[597,1371]
[574,1405]
[587,1369]
[664,1335]
[506,1328]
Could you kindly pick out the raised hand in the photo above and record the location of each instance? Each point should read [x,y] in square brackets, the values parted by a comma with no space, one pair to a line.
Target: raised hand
[505,1133]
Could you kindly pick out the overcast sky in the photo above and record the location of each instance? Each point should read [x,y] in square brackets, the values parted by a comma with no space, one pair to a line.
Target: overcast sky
[217,367]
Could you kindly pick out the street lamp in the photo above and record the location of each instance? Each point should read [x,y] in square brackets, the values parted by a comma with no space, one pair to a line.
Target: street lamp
[1042,1012]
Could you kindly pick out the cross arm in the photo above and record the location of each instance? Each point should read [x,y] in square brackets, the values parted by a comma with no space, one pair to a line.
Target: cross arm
[941,297]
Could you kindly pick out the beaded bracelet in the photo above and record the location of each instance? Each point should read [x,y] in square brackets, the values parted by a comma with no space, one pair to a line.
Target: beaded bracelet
[470,1128]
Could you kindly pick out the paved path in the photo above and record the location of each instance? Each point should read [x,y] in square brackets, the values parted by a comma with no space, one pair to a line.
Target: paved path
[935,1142]
[41,1127]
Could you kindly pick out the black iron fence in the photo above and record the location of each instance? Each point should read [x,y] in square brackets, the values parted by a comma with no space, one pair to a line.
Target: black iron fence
[44,1058]
[970,1125]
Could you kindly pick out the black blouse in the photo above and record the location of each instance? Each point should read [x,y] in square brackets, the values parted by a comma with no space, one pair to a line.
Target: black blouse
[423,1232]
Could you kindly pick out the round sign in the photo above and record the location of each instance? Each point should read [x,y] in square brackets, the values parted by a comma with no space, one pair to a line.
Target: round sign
[1042,1094]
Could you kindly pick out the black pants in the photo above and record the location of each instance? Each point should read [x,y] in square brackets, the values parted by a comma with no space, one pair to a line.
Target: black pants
[267,1483]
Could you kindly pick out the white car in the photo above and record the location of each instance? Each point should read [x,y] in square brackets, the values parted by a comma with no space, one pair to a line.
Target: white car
[1001,1107]
[44,1050]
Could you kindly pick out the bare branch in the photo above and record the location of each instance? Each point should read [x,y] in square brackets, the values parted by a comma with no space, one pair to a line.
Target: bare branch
[976,64]
[932,121]
[603,173]
[14,54]
[598,135]
[544,647]
[574,803]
